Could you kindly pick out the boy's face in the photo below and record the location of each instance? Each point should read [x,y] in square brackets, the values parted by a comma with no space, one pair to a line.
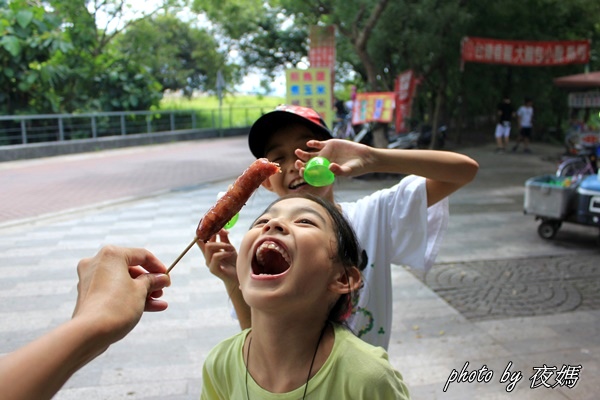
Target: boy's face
[280,149]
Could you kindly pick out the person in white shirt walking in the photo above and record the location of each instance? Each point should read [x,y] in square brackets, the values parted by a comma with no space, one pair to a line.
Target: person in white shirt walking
[525,117]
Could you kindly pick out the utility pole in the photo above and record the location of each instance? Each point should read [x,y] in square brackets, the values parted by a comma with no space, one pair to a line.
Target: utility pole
[220,87]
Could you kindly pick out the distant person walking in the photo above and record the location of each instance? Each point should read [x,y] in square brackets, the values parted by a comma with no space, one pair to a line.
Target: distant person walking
[505,113]
[525,118]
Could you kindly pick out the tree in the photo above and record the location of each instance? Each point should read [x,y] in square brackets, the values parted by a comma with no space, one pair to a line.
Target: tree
[264,39]
[273,42]
[182,57]
[99,78]
[537,20]
[30,37]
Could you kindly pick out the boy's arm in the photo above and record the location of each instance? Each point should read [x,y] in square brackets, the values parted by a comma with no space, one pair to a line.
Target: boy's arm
[445,171]
[221,258]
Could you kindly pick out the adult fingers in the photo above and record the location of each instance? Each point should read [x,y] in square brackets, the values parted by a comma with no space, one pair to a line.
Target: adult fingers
[154,282]
[154,305]
[145,259]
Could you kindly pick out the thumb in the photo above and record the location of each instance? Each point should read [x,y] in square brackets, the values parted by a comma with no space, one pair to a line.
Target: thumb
[154,282]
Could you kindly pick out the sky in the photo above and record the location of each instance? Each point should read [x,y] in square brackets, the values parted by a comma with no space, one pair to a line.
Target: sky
[251,85]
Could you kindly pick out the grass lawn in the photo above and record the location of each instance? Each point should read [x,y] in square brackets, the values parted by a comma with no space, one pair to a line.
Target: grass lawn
[237,109]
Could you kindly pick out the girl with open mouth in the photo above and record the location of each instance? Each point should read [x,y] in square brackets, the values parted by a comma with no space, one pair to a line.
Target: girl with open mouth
[298,268]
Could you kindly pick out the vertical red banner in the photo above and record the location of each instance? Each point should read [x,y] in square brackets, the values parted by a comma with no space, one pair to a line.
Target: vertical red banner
[405,89]
[321,53]
[322,46]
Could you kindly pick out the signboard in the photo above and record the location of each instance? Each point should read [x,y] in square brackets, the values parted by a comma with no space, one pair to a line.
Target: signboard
[373,107]
[525,53]
[584,100]
[322,46]
[405,85]
[311,88]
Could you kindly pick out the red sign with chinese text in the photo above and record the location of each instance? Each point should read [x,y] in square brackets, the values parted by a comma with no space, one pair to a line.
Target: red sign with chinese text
[322,46]
[525,53]
[405,85]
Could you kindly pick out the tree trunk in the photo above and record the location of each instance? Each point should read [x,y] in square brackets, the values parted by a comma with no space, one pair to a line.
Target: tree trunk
[380,139]
[359,40]
[436,116]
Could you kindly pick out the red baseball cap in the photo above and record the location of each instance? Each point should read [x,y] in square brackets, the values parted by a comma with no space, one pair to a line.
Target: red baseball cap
[282,116]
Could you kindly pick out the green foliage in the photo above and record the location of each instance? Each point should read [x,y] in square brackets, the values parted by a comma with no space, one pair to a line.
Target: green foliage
[183,57]
[265,39]
[425,36]
[54,57]
[236,17]
[211,102]
[236,110]
[30,36]
[124,86]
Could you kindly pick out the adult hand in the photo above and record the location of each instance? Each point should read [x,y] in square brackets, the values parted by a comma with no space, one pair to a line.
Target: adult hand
[116,286]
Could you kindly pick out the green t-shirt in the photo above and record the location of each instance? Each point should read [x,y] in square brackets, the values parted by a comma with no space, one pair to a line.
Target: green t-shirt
[353,370]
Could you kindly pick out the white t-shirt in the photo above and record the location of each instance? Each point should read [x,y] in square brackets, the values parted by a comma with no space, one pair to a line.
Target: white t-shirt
[525,116]
[393,226]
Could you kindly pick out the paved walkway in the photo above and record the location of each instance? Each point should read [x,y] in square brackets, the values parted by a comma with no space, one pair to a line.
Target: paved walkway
[154,196]
[31,188]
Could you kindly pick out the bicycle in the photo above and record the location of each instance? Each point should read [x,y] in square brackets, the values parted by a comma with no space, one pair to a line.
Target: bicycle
[343,129]
[584,162]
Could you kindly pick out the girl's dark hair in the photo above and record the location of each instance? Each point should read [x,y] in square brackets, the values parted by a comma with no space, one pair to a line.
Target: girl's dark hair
[348,250]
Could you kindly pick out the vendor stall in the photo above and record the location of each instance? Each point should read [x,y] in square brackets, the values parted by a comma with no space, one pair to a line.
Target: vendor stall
[573,193]
[584,106]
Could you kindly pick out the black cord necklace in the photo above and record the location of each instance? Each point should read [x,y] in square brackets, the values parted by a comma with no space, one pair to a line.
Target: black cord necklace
[309,370]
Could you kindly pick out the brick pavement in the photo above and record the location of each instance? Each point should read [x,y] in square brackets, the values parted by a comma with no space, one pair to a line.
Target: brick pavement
[32,188]
[162,357]
[484,290]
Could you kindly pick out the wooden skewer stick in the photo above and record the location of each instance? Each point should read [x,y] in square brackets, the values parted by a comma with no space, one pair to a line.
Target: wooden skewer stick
[182,254]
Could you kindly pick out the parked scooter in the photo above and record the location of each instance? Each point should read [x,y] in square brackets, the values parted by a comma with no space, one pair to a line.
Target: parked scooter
[395,141]
[364,135]
[405,141]
[425,136]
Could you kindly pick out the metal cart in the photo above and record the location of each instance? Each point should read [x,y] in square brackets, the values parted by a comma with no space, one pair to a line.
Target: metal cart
[555,200]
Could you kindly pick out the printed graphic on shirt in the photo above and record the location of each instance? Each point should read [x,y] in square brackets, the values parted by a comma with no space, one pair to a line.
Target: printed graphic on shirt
[363,316]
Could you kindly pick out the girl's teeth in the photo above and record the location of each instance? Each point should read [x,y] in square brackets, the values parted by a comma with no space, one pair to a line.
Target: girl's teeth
[270,246]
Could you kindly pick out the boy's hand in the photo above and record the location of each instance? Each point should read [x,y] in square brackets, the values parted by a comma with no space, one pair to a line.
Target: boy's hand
[347,158]
[221,257]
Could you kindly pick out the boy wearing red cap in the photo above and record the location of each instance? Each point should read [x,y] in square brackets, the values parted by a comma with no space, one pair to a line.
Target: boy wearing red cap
[402,225]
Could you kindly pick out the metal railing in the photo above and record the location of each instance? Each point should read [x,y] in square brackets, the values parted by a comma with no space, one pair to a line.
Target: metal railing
[29,129]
